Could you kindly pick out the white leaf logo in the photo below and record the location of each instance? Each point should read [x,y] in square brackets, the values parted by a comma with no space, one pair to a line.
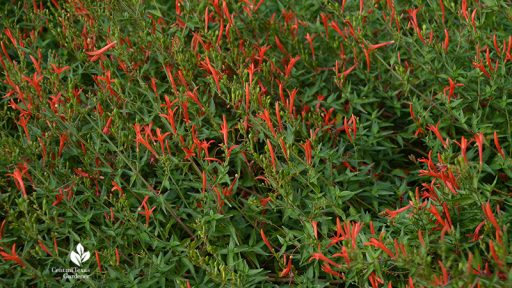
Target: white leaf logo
[81,256]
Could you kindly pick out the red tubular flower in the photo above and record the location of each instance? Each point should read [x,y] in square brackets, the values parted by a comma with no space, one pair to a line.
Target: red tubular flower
[279,45]
[490,216]
[290,65]
[435,129]
[347,129]
[215,74]
[326,25]
[343,254]
[153,86]
[420,237]
[470,263]
[221,32]
[451,88]
[463,147]
[374,280]
[476,234]
[17,175]
[508,54]
[161,137]
[224,130]
[411,111]
[411,283]
[265,240]
[434,212]
[327,269]
[335,240]
[272,154]
[464,10]
[350,69]
[393,213]
[58,198]
[12,256]
[442,9]
[2,229]
[247,97]
[266,117]
[352,231]
[372,47]
[307,151]
[319,256]
[288,268]
[140,140]
[168,72]
[481,67]
[310,38]
[106,129]
[444,281]
[414,22]
[117,188]
[353,121]
[97,53]
[399,248]
[226,12]
[498,146]
[378,244]
[498,261]
[495,43]
[447,214]
[488,59]
[446,40]
[98,260]
[62,140]
[58,70]
[203,175]
[220,201]
[473,23]
[291,100]
[336,28]
[479,139]
[367,57]
[44,248]
[193,95]
[264,201]
[34,82]
[5,53]
[315,228]
[278,116]
[147,212]
[117,257]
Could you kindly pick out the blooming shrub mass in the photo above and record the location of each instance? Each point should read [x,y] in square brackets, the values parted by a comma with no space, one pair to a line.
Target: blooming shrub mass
[256,143]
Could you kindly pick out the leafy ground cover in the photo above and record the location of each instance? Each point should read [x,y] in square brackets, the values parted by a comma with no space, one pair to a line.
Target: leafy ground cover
[256,143]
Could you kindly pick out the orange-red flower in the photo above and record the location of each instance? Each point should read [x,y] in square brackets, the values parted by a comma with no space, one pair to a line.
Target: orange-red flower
[479,139]
[307,151]
[490,216]
[17,175]
[498,146]
[414,22]
[265,240]
[376,243]
[435,129]
[272,154]
[319,256]
[97,53]
[12,256]
[288,268]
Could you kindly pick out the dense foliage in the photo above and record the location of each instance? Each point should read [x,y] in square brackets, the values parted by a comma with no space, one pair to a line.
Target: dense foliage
[256,143]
